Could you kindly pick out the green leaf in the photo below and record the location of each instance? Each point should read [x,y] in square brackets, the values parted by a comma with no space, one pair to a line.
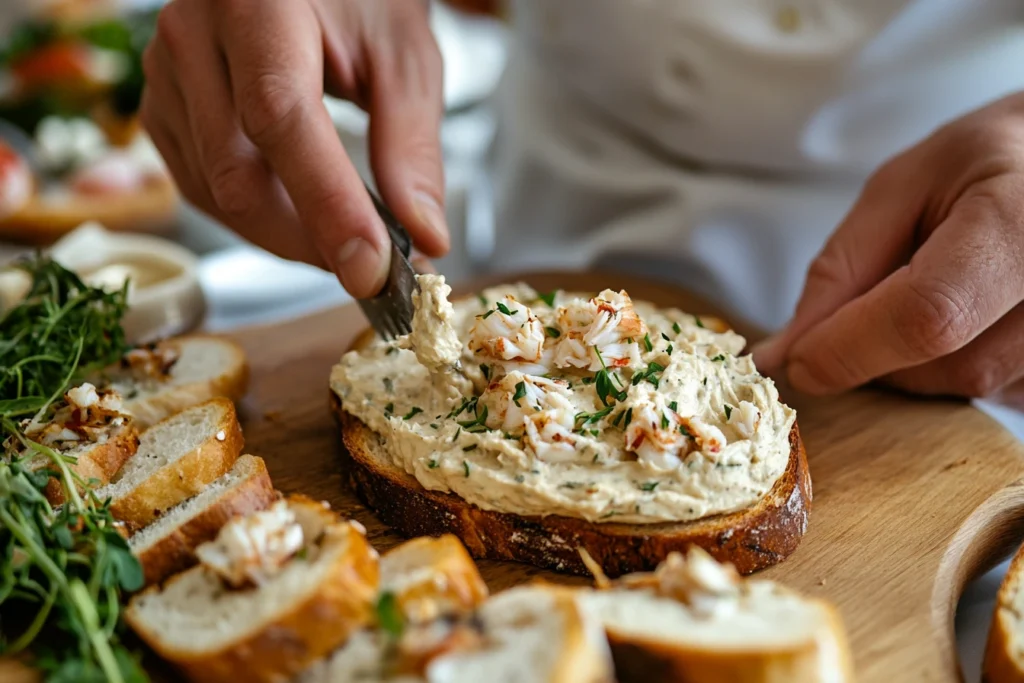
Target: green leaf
[549,298]
[553,332]
[647,342]
[416,410]
[520,392]
[728,411]
[389,614]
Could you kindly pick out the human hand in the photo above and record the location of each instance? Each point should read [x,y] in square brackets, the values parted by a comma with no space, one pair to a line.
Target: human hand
[921,285]
[233,103]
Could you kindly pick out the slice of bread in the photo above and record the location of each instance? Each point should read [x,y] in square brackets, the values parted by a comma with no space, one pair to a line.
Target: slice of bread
[1004,653]
[177,458]
[203,367]
[751,539]
[694,620]
[533,634]
[430,577]
[167,546]
[213,632]
[95,462]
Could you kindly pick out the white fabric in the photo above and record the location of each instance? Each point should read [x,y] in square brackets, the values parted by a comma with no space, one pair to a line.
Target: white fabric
[727,137]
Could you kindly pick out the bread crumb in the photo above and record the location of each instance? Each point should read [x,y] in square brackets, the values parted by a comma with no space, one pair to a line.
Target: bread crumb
[221,435]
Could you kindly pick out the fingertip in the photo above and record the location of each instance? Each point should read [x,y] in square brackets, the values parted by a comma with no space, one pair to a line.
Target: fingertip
[803,380]
[769,354]
[362,267]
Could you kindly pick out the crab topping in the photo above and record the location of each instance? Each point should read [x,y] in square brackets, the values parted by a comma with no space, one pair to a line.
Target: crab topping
[250,550]
[508,332]
[745,419]
[88,414]
[150,362]
[658,436]
[515,396]
[604,331]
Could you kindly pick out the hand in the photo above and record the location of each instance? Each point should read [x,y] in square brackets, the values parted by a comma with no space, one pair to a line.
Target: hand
[921,285]
[233,103]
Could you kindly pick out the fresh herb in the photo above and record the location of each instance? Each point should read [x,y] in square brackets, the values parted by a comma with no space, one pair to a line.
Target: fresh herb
[669,349]
[389,615]
[504,309]
[68,567]
[434,425]
[674,406]
[666,337]
[649,485]
[647,342]
[684,431]
[433,464]
[465,466]
[629,418]
[469,448]
[571,485]
[718,358]
[477,424]
[596,456]
[467,404]
[520,392]
[618,418]
[389,409]
[458,433]
[483,300]
[728,411]
[486,371]
[594,432]
[389,386]
[649,375]
[549,298]
[664,421]
[487,315]
[392,350]
[705,382]
[553,332]
[700,323]
[605,382]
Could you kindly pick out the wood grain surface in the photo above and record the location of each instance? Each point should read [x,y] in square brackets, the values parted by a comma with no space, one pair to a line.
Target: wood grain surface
[912,498]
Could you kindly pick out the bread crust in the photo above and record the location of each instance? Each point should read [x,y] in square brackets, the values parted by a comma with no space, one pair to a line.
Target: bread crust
[1000,665]
[175,552]
[100,462]
[185,477]
[232,384]
[640,661]
[751,539]
[311,629]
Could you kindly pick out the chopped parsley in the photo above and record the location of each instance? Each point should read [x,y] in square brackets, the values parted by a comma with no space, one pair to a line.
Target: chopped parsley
[549,298]
[467,404]
[700,323]
[483,300]
[719,358]
[433,464]
[647,342]
[458,433]
[469,448]
[520,393]
[389,614]
[486,370]
[434,425]
[465,466]
[487,315]
[649,485]
[553,332]
[629,418]
[389,386]
[389,409]
[416,410]
[677,329]
[666,337]
[664,421]
[728,411]
[684,431]
[669,349]
[605,382]
[571,485]
[618,418]
[649,375]
[503,309]
[392,350]
[674,406]
[477,424]
[583,419]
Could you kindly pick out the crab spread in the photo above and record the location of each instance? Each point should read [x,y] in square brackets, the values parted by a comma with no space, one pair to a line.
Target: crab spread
[594,407]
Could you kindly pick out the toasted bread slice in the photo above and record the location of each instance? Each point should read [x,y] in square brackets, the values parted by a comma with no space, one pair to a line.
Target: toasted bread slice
[1004,654]
[167,546]
[177,459]
[534,634]
[13,670]
[270,632]
[696,620]
[432,576]
[751,539]
[178,373]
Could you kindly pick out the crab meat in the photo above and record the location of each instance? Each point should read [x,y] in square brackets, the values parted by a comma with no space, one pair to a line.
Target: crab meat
[514,397]
[549,436]
[709,438]
[745,419]
[658,436]
[88,415]
[605,328]
[249,550]
[509,332]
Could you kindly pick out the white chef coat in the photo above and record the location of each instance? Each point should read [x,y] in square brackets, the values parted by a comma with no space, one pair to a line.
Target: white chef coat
[717,143]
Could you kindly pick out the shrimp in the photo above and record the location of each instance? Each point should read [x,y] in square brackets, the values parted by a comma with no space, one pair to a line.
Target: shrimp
[605,328]
[516,396]
[509,332]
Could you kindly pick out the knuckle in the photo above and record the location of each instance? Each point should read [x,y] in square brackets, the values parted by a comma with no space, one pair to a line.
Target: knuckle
[231,185]
[933,320]
[831,267]
[265,103]
[976,379]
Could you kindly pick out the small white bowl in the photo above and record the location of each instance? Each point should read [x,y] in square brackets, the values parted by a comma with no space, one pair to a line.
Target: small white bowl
[164,294]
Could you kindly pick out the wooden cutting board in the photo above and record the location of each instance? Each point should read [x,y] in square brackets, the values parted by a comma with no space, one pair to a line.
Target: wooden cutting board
[912,498]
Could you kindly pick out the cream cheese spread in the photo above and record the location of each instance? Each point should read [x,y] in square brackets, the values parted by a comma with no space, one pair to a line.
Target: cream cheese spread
[592,407]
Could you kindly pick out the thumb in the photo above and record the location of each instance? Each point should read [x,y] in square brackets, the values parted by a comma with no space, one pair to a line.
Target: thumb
[875,238]
[406,106]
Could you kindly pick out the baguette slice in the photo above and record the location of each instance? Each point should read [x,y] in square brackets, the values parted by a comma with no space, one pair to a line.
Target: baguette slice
[1004,653]
[695,620]
[272,632]
[203,367]
[177,459]
[751,539]
[167,546]
[533,634]
[430,577]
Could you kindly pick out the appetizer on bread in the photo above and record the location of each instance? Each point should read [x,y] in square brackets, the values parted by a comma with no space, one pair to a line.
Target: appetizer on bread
[529,424]
[275,591]
[1004,654]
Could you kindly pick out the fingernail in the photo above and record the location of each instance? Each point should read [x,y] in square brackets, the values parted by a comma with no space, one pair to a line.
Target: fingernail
[361,268]
[432,216]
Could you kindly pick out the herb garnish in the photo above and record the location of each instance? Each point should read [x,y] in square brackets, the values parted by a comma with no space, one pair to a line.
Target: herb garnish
[465,465]
[649,485]
[504,309]
[433,464]
[647,342]
[520,392]
[416,410]
[553,332]
[728,411]
[719,357]
[469,448]
[389,615]
[477,424]
[696,319]
[389,386]
[67,567]
[486,370]
[549,298]
[389,409]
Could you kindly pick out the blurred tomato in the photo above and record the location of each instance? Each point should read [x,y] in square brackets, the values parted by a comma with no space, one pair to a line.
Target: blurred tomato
[15,181]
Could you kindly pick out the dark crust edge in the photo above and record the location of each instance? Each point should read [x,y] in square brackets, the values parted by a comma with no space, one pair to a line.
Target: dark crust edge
[751,539]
